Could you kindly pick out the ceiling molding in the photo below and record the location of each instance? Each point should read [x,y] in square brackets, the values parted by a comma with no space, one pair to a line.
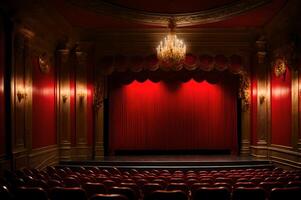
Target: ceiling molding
[162,19]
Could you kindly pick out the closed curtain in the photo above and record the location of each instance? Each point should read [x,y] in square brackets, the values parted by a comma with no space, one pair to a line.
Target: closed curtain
[173,115]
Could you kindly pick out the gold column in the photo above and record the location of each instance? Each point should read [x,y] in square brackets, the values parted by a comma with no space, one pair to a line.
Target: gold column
[263,101]
[81,149]
[99,91]
[63,103]
[245,115]
[21,97]
[299,112]
[295,108]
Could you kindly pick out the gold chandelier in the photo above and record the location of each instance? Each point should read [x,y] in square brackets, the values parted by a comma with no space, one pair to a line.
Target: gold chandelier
[171,50]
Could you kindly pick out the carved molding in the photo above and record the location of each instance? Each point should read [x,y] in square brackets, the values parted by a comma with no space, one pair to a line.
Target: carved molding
[245,91]
[283,155]
[98,94]
[161,19]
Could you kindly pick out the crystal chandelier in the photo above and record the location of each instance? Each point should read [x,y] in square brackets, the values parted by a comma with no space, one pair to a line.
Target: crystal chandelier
[171,50]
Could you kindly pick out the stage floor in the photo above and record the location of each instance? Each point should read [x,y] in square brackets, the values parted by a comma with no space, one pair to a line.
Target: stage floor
[178,158]
[173,161]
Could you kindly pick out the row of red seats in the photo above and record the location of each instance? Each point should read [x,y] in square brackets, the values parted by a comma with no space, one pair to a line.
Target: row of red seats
[145,182]
[123,193]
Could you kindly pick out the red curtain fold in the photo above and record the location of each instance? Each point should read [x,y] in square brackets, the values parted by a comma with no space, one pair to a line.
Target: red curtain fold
[221,62]
[172,115]
[136,63]
[119,63]
[152,63]
[206,62]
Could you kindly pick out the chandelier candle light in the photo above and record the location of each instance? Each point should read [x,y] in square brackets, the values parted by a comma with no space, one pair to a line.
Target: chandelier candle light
[171,50]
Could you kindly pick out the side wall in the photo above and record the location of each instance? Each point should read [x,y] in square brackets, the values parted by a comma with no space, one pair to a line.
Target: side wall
[277,135]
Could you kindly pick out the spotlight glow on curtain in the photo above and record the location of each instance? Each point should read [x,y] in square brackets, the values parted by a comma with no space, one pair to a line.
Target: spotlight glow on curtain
[173,115]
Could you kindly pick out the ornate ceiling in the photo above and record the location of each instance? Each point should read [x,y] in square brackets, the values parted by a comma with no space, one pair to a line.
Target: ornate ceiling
[192,13]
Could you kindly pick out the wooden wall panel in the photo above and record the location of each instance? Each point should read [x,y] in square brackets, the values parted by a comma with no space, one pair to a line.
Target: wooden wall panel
[63,64]
[45,156]
[2,98]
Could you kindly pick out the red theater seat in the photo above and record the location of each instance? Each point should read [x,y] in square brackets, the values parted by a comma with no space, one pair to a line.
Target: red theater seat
[109,197]
[30,193]
[94,188]
[148,188]
[168,195]
[212,193]
[290,193]
[4,193]
[178,186]
[126,191]
[250,193]
[75,193]
[71,182]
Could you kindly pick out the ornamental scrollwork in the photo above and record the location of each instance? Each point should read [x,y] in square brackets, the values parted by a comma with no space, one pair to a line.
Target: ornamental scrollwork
[244,90]
[98,94]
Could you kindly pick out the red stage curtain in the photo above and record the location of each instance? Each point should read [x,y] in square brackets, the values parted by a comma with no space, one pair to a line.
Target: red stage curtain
[174,115]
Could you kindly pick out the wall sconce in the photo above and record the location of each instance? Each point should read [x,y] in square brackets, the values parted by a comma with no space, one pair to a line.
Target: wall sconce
[81,94]
[21,94]
[65,95]
[261,99]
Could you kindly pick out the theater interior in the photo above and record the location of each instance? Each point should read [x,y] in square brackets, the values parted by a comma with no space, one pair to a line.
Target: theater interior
[150,100]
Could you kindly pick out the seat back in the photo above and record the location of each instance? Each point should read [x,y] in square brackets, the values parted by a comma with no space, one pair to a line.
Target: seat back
[126,191]
[94,188]
[4,193]
[71,182]
[168,195]
[74,193]
[32,193]
[291,193]
[248,193]
[178,186]
[212,193]
[148,188]
[108,197]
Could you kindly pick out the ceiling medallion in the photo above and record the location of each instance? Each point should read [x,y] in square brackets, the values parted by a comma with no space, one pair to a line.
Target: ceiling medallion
[171,50]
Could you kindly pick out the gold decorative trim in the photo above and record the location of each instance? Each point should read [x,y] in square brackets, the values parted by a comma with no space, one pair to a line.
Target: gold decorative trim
[245,90]
[98,94]
[284,151]
[161,19]
[43,150]
[281,146]
[285,162]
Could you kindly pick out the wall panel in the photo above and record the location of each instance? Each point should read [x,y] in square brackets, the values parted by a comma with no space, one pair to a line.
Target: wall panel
[281,109]
[43,106]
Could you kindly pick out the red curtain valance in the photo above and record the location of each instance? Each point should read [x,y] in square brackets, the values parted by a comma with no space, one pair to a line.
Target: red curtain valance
[119,63]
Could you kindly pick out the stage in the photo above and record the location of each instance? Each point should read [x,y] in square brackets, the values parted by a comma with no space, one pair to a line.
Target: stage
[173,162]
